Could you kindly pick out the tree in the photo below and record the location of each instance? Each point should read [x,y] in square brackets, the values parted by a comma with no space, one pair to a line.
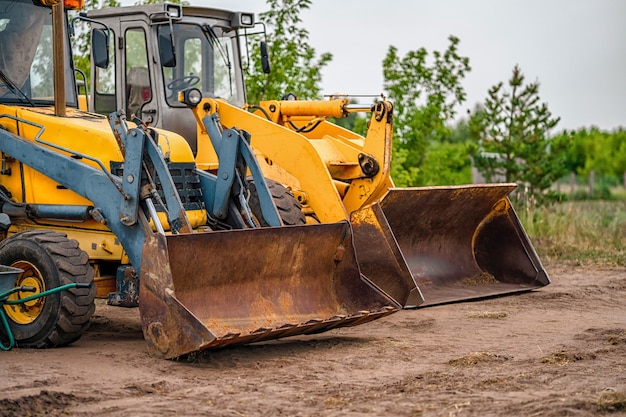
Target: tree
[295,67]
[447,163]
[511,131]
[425,96]
[599,151]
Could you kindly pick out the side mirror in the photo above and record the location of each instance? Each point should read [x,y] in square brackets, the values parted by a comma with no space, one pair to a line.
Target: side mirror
[166,51]
[265,58]
[100,48]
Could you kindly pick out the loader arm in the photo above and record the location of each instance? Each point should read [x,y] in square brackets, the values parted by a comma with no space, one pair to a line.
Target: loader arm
[337,171]
[280,143]
[233,150]
[360,164]
[119,202]
[97,185]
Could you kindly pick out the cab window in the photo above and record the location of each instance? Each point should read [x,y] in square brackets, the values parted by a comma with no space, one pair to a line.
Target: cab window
[138,88]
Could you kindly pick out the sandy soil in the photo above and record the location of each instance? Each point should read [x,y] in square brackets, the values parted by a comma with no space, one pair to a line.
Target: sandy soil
[558,351]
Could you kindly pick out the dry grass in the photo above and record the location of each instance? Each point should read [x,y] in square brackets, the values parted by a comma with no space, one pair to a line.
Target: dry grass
[586,232]
[484,278]
[565,357]
[611,402]
[475,358]
[487,314]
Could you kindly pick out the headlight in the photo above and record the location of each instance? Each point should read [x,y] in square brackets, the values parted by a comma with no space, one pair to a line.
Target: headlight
[242,20]
[190,96]
[175,11]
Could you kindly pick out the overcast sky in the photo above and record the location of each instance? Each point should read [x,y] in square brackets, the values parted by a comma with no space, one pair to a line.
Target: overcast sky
[576,49]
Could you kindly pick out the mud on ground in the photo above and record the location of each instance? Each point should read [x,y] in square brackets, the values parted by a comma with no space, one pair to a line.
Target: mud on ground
[558,351]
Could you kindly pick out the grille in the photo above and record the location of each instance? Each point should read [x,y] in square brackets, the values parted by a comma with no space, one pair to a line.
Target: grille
[185,178]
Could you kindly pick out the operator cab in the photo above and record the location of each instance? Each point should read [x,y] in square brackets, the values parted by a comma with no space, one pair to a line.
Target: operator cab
[196,47]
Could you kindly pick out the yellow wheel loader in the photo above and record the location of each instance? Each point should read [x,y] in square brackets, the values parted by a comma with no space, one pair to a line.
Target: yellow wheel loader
[445,243]
[123,210]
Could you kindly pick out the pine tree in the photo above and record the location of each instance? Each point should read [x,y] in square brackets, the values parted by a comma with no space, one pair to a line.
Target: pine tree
[512,133]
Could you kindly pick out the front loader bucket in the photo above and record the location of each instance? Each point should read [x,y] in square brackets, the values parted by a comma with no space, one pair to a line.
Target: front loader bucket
[462,242]
[209,290]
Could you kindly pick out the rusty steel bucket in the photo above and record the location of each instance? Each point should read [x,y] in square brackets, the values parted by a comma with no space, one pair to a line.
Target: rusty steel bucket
[380,258]
[209,290]
[458,242]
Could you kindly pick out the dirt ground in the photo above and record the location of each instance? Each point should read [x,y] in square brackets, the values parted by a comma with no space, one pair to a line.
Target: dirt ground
[558,351]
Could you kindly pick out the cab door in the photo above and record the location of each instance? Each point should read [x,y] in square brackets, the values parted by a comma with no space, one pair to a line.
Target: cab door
[138,94]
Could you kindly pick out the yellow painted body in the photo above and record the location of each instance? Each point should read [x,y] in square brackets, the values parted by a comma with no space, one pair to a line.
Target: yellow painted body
[87,134]
[320,167]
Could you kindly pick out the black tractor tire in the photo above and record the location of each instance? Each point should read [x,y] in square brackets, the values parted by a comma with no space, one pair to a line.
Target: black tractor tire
[289,210]
[49,259]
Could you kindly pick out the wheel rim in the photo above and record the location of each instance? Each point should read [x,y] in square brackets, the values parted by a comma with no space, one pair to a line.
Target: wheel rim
[26,313]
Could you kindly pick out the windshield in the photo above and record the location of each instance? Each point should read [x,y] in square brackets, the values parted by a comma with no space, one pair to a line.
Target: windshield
[26,61]
[204,60]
